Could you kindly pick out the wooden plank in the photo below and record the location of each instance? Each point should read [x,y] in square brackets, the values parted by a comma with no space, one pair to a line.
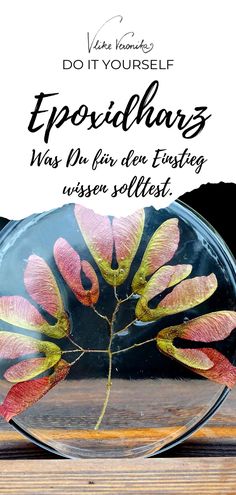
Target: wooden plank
[132,403]
[120,477]
[209,441]
[217,438]
[207,432]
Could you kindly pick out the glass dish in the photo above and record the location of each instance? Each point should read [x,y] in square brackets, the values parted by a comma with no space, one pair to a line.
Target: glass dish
[98,357]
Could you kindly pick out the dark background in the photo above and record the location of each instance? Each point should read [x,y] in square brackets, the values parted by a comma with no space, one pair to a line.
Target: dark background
[216,203]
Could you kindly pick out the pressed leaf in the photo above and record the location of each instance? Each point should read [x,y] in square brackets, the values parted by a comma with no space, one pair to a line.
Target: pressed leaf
[13,345]
[41,285]
[25,394]
[160,249]
[70,266]
[165,277]
[102,236]
[18,311]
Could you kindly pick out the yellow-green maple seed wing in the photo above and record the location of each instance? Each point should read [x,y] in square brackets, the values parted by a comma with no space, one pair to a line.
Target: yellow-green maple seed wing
[206,362]
[14,345]
[193,358]
[165,277]
[160,249]
[30,368]
[210,327]
[19,312]
[127,233]
[190,357]
[184,296]
[41,285]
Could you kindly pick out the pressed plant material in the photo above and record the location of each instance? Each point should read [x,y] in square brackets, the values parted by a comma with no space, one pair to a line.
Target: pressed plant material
[116,293]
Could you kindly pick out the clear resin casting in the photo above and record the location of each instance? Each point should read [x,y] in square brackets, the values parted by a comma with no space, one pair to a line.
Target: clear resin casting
[116,334]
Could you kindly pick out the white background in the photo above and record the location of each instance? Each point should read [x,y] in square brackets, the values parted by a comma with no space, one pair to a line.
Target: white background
[37,35]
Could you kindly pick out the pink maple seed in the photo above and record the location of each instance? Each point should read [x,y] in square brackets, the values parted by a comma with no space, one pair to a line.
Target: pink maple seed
[206,362]
[70,266]
[25,394]
[103,236]
[41,285]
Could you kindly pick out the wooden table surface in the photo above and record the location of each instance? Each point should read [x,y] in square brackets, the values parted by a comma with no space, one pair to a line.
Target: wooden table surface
[203,464]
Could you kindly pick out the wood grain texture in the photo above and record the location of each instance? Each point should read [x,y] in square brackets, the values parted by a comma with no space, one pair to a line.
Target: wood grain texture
[204,464]
[217,438]
[160,476]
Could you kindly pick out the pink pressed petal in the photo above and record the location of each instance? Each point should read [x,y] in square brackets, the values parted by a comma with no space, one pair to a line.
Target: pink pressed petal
[41,285]
[25,394]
